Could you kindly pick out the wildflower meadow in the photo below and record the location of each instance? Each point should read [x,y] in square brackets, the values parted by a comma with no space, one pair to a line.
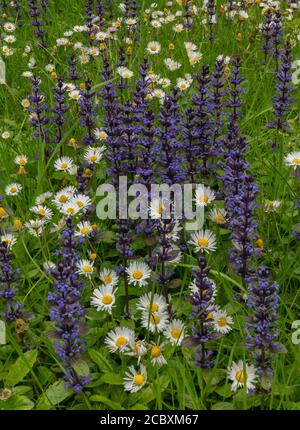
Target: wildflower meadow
[149,205]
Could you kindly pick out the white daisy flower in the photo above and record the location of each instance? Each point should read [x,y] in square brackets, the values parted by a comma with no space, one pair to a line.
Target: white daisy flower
[138,273]
[119,339]
[10,38]
[64,164]
[222,322]
[84,229]
[85,267]
[272,205]
[155,23]
[204,196]
[62,197]
[183,84]
[159,94]
[21,160]
[27,74]
[137,349]
[41,199]
[109,277]
[62,41]
[218,215]
[190,46]
[156,353]
[69,208]
[135,380]
[175,332]
[153,303]
[101,36]
[35,227]
[204,241]
[93,155]
[153,47]
[171,64]
[241,375]
[158,208]
[100,134]
[103,298]
[13,189]
[124,72]
[9,239]
[293,159]
[75,94]
[194,57]
[156,322]
[164,82]
[178,28]
[81,201]
[43,212]
[9,27]
[6,135]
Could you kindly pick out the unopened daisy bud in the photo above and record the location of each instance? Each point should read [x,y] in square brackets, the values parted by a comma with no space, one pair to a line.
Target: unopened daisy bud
[129,50]
[3,214]
[17,224]
[94,227]
[25,103]
[53,75]
[72,142]
[93,256]
[171,46]
[239,36]
[102,46]
[82,86]
[259,243]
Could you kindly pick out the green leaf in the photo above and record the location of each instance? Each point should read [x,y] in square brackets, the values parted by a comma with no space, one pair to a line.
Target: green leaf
[21,367]
[16,403]
[102,362]
[107,402]
[222,406]
[55,394]
[81,367]
[112,379]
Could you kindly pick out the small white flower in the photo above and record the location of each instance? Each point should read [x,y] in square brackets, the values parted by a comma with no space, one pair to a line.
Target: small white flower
[93,155]
[137,349]
[178,28]
[100,134]
[41,199]
[109,277]
[35,227]
[74,95]
[204,196]
[103,298]
[124,72]
[241,375]
[62,41]
[13,189]
[27,74]
[9,27]
[101,36]
[138,273]
[293,159]
[43,212]
[204,241]
[21,160]
[119,339]
[64,164]
[222,322]
[9,239]
[182,84]
[83,229]
[10,39]
[6,135]
[85,267]
[190,46]
[272,205]
[153,47]
[81,201]
[175,332]
[69,208]
[156,353]
[135,380]
[156,322]
[171,64]
[155,303]
[50,68]
[218,216]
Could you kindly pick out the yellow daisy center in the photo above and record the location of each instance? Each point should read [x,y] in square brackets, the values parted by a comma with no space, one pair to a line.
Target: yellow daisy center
[107,299]
[154,307]
[139,379]
[296,160]
[155,319]
[13,190]
[202,242]
[63,199]
[155,351]
[87,268]
[210,315]
[107,279]
[93,158]
[137,274]
[260,243]
[102,135]
[70,211]
[85,230]
[222,322]
[175,333]
[42,212]
[219,218]
[240,376]
[7,241]
[64,165]
[22,162]
[121,341]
